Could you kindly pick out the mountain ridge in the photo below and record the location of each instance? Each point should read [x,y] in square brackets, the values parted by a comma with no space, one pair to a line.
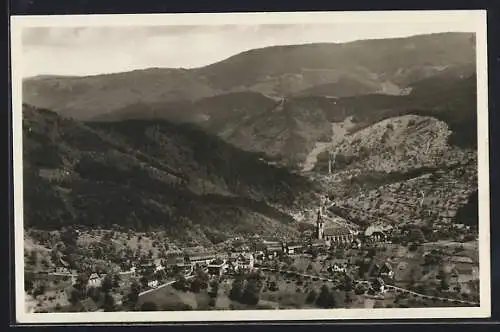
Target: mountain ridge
[299,67]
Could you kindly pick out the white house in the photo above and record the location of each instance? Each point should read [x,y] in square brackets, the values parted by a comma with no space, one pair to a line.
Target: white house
[378,285]
[153,283]
[63,270]
[386,270]
[94,280]
[217,267]
[159,268]
[338,268]
[243,261]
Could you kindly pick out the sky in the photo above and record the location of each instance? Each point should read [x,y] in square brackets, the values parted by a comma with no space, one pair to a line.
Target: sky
[96,50]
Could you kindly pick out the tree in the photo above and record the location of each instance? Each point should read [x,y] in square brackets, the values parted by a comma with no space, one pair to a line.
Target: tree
[94,293]
[202,278]
[195,285]
[116,280]
[251,293]
[416,235]
[236,290]
[325,298]
[273,286]
[81,283]
[371,253]
[32,258]
[444,283]
[214,288]
[40,290]
[109,302]
[348,283]
[311,297]
[133,296]
[28,284]
[69,237]
[180,283]
[74,296]
[413,247]
[144,281]
[107,284]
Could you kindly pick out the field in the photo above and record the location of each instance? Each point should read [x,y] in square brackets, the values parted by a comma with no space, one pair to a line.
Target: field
[52,299]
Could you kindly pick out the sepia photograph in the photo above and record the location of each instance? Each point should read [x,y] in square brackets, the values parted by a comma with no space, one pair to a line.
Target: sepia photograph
[251,166]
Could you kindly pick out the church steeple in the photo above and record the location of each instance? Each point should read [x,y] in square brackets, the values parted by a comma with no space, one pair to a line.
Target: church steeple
[320,226]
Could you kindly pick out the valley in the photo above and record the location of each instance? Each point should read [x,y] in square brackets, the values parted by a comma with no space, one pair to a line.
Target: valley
[267,180]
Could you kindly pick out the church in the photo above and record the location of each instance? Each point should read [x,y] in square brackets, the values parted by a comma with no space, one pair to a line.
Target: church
[334,235]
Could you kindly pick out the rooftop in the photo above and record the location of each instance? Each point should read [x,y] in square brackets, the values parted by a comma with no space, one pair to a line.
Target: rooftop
[336,231]
[373,229]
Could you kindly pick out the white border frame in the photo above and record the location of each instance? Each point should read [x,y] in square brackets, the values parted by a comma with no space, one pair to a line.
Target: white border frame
[475,19]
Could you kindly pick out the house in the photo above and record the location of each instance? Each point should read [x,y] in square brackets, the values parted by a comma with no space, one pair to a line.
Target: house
[320,245]
[307,234]
[271,244]
[153,283]
[339,265]
[259,255]
[159,268]
[356,244]
[242,262]
[174,258]
[293,248]
[375,234]
[378,285]
[462,259]
[146,266]
[386,270]
[272,248]
[94,280]
[198,258]
[63,270]
[337,268]
[217,267]
[131,271]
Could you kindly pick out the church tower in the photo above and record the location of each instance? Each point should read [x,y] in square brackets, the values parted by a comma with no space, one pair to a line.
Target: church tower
[320,226]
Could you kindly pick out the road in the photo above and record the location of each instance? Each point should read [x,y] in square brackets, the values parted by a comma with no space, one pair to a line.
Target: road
[394,288]
[162,286]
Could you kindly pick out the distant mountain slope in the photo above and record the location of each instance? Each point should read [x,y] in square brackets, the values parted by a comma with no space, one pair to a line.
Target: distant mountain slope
[87,97]
[150,174]
[376,65]
[399,60]
[344,87]
[289,129]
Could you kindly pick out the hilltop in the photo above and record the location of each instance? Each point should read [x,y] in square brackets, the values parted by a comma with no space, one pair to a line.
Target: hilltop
[148,175]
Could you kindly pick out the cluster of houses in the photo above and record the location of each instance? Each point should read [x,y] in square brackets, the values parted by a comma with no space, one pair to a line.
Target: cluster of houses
[237,260]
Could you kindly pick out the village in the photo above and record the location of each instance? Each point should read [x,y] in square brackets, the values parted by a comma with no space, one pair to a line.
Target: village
[336,260]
